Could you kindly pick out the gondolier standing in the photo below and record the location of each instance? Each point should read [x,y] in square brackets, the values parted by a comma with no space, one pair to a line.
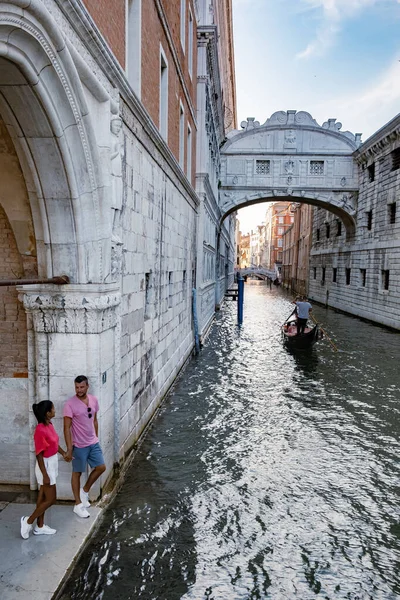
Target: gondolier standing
[303,311]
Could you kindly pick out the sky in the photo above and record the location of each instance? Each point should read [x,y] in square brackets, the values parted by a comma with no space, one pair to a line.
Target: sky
[332,58]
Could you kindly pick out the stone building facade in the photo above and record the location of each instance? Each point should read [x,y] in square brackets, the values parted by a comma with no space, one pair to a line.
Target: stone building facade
[296,249]
[360,273]
[98,176]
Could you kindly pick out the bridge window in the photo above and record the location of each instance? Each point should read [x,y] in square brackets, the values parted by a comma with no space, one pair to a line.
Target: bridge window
[263,167]
[318,235]
[339,228]
[328,231]
[315,272]
[316,167]
[369,220]
[392,213]
[348,275]
[323,276]
[363,277]
[371,173]
[395,159]
[334,274]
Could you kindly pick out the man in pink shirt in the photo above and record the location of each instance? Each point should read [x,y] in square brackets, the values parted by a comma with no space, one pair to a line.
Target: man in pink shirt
[81,437]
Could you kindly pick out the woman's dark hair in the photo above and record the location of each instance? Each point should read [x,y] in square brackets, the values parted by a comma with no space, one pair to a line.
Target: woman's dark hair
[41,409]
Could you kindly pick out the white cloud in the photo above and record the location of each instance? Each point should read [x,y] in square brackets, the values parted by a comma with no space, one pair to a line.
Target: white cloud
[334,12]
[369,109]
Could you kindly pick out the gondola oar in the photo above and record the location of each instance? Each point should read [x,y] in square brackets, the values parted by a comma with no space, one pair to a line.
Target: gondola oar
[325,334]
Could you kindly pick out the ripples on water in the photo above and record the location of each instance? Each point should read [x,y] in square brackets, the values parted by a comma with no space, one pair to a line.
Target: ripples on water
[265,475]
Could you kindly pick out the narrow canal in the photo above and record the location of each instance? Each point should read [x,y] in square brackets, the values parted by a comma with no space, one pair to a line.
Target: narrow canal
[265,475]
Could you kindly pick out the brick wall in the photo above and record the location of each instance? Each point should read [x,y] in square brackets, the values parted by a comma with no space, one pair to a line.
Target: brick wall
[13,347]
[153,34]
[111,24]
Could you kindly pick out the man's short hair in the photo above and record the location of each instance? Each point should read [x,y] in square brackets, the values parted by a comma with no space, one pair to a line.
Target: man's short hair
[81,379]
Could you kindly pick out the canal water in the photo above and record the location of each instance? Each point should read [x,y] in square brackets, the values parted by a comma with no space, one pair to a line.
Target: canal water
[265,475]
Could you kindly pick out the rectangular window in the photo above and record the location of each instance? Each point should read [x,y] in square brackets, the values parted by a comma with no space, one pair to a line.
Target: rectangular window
[280,243]
[280,230]
[316,167]
[281,220]
[334,274]
[147,301]
[348,276]
[189,154]
[338,228]
[323,275]
[190,44]
[315,273]
[183,23]
[371,173]
[184,281]
[134,45]
[363,277]
[318,235]
[395,159]
[328,231]
[392,213]
[385,280]
[263,167]
[170,289]
[181,136]
[163,95]
[369,220]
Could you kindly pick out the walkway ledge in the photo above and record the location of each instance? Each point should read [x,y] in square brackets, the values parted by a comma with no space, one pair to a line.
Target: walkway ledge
[34,569]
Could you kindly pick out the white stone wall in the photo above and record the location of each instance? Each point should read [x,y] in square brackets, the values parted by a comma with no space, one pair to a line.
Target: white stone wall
[375,246]
[158,235]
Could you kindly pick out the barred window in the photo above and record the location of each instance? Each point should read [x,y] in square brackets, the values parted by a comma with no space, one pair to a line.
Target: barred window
[316,167]
[263,167]
[395,159]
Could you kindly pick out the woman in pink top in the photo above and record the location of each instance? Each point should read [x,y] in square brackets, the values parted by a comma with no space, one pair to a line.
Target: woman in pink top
[46,470]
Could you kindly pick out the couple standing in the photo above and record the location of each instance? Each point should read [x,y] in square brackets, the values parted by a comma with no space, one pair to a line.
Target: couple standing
[83,448]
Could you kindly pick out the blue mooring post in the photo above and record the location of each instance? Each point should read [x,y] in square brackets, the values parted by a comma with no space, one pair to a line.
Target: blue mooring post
[240,299]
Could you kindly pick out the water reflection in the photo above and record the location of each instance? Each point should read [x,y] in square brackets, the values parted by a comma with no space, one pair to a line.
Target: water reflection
[266,475]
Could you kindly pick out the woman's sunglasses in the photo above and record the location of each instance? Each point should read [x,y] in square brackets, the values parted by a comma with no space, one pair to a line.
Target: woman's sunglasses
[89,412]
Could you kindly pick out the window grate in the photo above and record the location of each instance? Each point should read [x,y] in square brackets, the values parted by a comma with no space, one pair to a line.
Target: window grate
[395,159]
[316,167]
[371,173]
[392,213]
[263,167]
[385,280]
[363,276]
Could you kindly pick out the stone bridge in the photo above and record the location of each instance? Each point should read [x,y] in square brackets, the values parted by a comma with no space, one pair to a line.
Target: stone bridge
[257,271]
[293,158]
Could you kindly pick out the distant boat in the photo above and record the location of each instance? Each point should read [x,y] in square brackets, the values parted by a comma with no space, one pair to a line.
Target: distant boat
[306,340]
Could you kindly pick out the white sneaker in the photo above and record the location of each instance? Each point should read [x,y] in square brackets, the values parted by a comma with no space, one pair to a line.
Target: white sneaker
[25,528]
[81,511]
[84,496]
[45,530]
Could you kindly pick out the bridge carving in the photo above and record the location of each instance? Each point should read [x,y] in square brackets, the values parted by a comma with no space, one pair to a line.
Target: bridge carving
[291,157]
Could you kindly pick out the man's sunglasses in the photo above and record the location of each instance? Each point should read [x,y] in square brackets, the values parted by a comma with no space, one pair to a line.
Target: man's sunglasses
[89,412]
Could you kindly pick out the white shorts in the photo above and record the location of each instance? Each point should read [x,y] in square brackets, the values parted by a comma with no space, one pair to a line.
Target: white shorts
[51,464]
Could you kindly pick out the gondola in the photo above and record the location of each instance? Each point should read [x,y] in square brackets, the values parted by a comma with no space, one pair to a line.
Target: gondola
[304,341]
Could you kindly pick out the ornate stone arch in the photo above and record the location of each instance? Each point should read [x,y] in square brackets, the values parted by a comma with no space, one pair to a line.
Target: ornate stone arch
[43,106]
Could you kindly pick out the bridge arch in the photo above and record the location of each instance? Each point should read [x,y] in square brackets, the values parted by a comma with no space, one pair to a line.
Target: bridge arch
[291,158]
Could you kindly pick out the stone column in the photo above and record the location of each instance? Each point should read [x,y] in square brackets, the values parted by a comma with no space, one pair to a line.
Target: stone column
[73,330]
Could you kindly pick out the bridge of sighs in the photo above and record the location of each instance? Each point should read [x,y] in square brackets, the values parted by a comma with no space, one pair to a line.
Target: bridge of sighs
[292,158]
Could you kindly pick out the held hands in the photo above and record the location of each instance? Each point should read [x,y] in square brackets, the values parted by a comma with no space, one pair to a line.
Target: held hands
[67,456]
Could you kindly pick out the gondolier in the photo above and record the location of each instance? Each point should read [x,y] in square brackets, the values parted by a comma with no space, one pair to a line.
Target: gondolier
[303,312]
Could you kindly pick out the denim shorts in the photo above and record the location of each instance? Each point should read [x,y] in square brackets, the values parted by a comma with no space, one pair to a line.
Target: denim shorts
[91,455]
